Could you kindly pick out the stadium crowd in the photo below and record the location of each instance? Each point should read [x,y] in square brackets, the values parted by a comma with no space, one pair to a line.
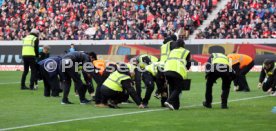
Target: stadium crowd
[110,19]
[243,19]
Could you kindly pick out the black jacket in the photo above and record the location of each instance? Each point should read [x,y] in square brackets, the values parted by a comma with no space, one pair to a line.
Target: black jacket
[273,76]
[77,57]
[127,85]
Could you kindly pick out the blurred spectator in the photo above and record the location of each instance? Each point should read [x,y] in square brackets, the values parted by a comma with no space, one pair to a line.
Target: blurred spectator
[72,48]
[110,19]
[243,19]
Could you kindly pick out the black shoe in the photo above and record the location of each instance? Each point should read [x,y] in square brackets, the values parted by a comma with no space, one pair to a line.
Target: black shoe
[24,88]
[224,106]
[145,105]
[32,88]
[93,98]
[111,104]
[85,101]
[66,102]
[207,105]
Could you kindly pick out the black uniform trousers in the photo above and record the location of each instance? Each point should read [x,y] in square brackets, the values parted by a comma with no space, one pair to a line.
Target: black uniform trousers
[212,76]
[88,83]
[115,96]
[268,84]
[51,84]
[29,62]
[175,88]
[161,87]
[149,81]
[241,78]
[137,80]
[69,74]
[99,81]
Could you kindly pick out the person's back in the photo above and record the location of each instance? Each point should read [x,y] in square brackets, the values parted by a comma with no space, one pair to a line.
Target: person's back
[77,56]
[243,59]
[267,79]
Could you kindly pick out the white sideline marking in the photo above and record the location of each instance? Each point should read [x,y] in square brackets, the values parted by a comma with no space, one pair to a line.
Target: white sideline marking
[9,83]
[122,114]
[16,83]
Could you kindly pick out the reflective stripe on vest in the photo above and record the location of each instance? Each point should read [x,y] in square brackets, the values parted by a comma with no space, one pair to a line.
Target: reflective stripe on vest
[165,50]
[181,59]
[271,71]
[154,67]
[219,58]
[113,82]
[176,62]
[28,46]
[142,64]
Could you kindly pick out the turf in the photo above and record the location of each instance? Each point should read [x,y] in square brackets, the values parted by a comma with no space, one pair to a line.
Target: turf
[20,108]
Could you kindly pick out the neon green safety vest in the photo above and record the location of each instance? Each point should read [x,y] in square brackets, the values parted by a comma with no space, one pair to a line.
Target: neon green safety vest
[28,46]
[270,73]
[219,58]
[113,82]
[176,61]
[152,59]
[165,51]
[154,67]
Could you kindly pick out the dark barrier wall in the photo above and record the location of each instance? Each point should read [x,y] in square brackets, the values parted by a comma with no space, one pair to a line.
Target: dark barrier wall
[11,55]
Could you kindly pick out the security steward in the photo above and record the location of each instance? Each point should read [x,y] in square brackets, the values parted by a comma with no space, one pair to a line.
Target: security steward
[218,67]
[110,68]
[51,75]
[166,48]
[29,56]
[118,86]
[241,64]
[140,62]
[267,80]
[175,71]
[70,71]
[152,75]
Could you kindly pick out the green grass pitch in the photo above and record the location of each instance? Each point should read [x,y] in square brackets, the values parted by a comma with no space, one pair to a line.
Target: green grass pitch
[29,110]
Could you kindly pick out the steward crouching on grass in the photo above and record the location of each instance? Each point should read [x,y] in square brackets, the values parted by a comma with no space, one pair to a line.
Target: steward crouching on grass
[175,71]
[152,75]
[110,68]
[49,71]
[241,64]
[70,64]
[118,86]
[218,67]
[267,80]
[140,62]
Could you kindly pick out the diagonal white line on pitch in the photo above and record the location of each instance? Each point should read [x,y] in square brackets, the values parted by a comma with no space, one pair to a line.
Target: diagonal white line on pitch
[121,114]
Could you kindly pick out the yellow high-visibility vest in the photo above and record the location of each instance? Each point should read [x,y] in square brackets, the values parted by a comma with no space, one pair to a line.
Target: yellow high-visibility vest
[154,67]
[113,82]
[176,61]
[219,58]
[151,57]
[28,45]
[165,51]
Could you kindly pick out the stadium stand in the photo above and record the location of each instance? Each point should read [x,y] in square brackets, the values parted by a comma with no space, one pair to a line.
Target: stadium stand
[111,19]
[243,19]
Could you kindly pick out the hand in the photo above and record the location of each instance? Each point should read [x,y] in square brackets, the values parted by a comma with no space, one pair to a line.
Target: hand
[141,106]
[260,85]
